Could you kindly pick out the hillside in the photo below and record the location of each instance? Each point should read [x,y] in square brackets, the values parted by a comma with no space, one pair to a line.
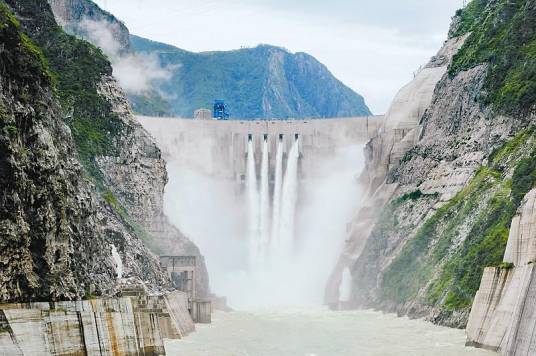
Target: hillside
[81,177]
[260,82]
[162,80]
[448,180]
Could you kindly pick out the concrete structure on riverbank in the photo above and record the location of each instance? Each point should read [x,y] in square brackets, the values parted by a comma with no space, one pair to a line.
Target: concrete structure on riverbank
[182,273]
[503,316]
[135,324]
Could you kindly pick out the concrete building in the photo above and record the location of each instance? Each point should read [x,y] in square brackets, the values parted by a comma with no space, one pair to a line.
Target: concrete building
[203,114]
[182,272]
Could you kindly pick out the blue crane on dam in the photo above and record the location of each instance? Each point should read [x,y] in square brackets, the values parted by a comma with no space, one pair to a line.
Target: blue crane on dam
[220,110]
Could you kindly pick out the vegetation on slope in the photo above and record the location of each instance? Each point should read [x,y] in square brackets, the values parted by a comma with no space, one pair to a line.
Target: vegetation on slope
[481,214]
[77,67]
[503,35]
[260,82]
[20,57]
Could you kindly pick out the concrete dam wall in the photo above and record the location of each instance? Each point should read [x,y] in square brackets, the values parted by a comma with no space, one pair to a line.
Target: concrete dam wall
[278,194]
[225,143]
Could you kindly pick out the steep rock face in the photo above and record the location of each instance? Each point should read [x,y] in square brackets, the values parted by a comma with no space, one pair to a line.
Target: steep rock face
[70,13]
[52,245]
[85,19]
[443,189]
[383,153]
[260,82]
[137,177]
[82,225]
[131,168]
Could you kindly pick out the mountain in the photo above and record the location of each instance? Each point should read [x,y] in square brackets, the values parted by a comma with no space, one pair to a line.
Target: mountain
[260,82]
[135,74]
[446,231]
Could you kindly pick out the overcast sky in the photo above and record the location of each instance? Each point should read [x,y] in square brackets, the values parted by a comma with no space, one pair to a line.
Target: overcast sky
[373,46]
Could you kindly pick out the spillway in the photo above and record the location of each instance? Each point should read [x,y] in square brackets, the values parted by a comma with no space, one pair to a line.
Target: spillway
[253,206]
[276,206]
[267,202]
[264,205]
[288,206]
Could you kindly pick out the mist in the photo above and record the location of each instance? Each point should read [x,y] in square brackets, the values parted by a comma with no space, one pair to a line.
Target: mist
[135,72]
[216,213]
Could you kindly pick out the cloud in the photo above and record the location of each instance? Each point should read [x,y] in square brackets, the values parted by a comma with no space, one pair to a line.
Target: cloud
[136,73]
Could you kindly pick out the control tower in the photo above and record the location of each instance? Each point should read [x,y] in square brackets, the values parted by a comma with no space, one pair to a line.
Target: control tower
[220,111]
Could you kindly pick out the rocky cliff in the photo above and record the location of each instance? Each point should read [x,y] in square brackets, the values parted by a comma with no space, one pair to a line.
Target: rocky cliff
[85,19]
[503,316]
[57,233]
[446,175]
[73,230]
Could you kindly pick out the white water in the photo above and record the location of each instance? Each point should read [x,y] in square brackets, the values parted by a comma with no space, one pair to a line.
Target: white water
[276,205]
[266,242]
[117,262]
[319,332]
[253,206]
[264,206]
[285,243]
[345,290]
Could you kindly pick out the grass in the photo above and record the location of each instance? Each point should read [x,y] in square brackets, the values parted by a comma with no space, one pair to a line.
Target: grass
[482,212]
[75,68]
[503,35]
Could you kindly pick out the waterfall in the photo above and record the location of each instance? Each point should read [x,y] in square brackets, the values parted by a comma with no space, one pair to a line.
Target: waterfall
[253,205]
[276,205]
[264,203]
[117,262]
[288,203]
[345,288]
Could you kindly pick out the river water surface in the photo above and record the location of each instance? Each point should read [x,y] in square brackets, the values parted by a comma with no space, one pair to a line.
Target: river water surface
[319,332]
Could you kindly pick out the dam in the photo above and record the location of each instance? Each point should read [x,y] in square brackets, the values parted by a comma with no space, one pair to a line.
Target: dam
[226,141]
[274,196]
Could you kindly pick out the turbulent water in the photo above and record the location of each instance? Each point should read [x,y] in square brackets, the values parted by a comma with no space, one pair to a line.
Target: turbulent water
[273,238]
[319,332]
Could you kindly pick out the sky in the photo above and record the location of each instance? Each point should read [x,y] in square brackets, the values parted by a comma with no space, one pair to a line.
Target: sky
[373,46]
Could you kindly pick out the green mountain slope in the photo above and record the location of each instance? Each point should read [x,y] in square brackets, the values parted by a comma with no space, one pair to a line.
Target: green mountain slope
[260,82]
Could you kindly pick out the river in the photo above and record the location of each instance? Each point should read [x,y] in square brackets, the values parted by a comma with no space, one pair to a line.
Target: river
[317,331]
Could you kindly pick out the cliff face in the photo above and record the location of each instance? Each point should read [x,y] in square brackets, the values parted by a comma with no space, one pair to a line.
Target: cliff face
[84,19]
[129,166]
[71,230]
[444,181]
[70,14]
[57,235]
[260,82]
[48,214]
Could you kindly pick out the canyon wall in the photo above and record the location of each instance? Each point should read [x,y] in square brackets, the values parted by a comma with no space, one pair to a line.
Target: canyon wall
[133,171]
[447,174]
[53,244]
